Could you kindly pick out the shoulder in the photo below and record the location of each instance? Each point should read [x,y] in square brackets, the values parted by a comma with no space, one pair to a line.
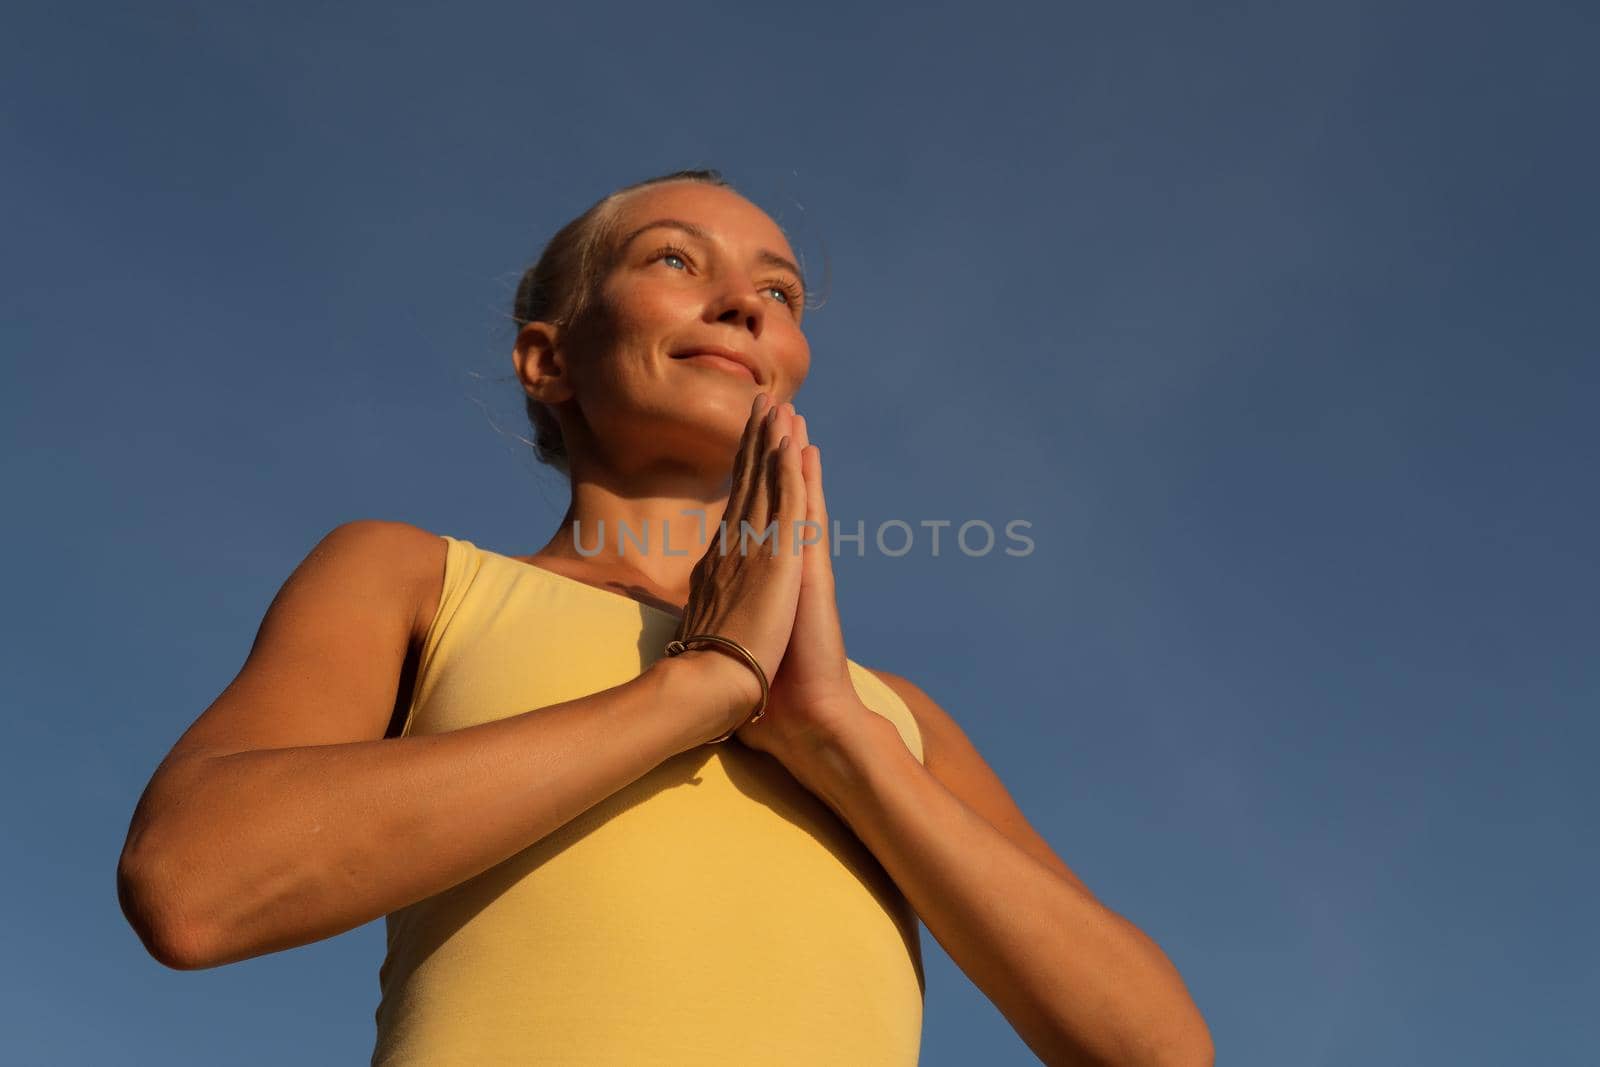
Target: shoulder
[939,731]
[384,531]
[403,548]
[907,690]
[401,559]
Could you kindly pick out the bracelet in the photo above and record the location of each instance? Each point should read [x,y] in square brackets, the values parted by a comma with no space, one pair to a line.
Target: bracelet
[675,646]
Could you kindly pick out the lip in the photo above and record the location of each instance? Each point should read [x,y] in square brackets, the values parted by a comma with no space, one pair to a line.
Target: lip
[739,359]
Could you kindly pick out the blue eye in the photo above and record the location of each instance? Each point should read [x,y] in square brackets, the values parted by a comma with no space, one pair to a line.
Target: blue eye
[671,252]
[793,294]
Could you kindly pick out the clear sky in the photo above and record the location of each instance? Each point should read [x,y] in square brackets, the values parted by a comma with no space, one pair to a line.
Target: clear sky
[1275,321]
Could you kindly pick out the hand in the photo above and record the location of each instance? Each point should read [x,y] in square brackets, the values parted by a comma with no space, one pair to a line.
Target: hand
[749,592]
[812,697]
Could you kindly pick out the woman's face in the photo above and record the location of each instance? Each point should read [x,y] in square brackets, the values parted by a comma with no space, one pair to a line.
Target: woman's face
[696,267]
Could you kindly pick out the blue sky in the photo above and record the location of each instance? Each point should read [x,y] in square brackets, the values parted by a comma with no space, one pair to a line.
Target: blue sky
[1275,321]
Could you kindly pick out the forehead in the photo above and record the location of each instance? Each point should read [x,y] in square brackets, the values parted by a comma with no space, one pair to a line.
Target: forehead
[723,213]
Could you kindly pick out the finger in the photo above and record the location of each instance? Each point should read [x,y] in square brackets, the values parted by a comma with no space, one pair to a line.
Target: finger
[758,511]
[775,486]
[802,441]
[817,535]
[745,464]
[800,434]
[817,512]
[781,417]
[821,496]
[778,494]
[793,510]
[750,437]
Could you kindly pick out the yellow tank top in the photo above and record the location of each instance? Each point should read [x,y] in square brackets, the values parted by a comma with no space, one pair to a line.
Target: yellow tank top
[712,912]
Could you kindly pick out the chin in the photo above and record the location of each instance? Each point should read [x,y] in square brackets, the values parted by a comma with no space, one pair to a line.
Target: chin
[702,429]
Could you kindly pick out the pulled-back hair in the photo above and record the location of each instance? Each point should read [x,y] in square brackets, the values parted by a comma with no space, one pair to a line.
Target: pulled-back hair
[561,289]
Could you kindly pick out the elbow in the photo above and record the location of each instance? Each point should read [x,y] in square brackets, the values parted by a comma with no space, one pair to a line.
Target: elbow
[150,908]
[173,949]
[1193,1049]
[1186,1045]
[1202,1054]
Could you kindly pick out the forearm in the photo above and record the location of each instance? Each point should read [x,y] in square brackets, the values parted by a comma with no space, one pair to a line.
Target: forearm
[1078,983]
[259,851]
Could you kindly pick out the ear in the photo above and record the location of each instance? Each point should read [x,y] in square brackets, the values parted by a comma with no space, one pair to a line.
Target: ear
[541,363]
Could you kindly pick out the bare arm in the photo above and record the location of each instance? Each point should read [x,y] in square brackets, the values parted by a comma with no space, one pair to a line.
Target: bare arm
[283,817]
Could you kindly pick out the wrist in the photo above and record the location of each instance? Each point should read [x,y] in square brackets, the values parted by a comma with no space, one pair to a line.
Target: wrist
[721,689]
[840,764]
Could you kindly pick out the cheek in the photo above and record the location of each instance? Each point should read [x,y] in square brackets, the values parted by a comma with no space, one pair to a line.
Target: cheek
[639,321]
[644,312]
[796,362]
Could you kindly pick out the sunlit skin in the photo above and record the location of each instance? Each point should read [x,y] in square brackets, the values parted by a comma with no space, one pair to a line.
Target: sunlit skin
[649,436]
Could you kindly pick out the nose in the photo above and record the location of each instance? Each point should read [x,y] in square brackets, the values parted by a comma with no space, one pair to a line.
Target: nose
[741,306]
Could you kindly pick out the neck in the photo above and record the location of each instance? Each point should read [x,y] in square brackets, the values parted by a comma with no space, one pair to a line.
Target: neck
[656,526]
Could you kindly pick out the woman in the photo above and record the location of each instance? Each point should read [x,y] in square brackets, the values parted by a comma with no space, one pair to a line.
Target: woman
[591,847]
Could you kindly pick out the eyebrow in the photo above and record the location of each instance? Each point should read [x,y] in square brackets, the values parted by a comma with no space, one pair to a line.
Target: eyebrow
[765,255]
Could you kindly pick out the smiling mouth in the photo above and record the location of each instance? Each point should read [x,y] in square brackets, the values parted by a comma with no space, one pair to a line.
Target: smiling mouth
[726,364]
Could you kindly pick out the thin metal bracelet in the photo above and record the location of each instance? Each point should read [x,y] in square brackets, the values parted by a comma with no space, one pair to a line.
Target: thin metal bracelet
[676,646]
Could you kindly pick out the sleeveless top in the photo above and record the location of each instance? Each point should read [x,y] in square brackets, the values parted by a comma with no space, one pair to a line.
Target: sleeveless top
[713,911]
